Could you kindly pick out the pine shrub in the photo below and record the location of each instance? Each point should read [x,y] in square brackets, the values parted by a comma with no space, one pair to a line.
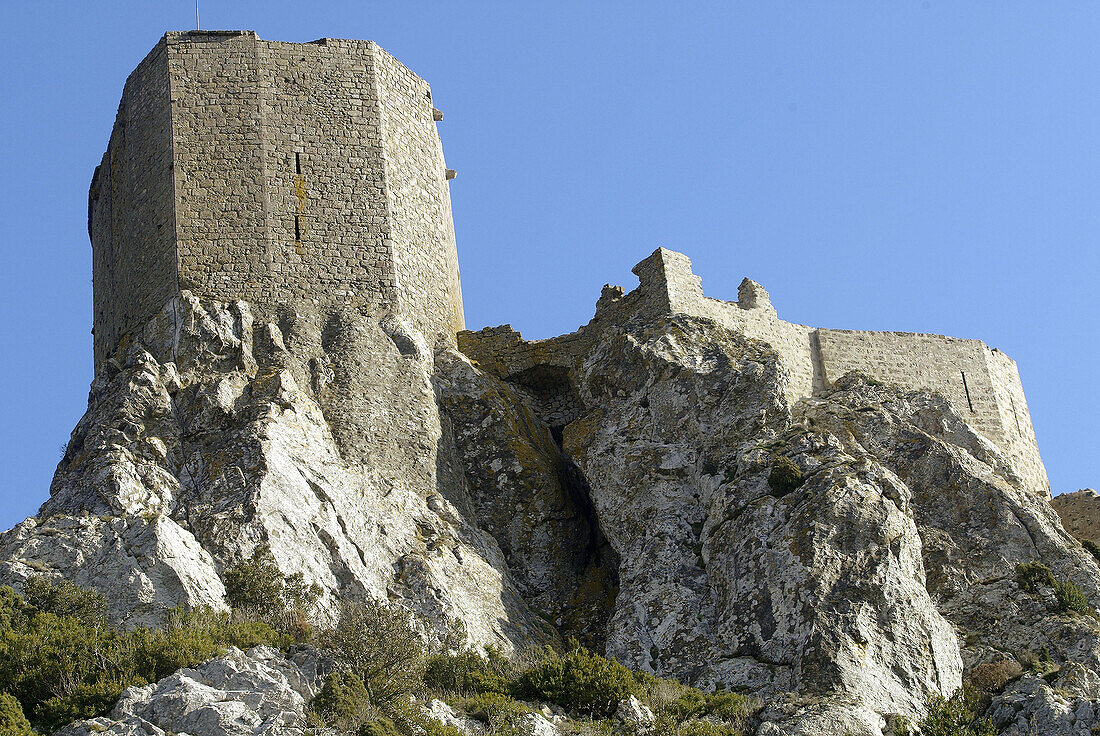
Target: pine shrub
[578,680]
[958,715]
[12,720]
[378,643]
[1031,575]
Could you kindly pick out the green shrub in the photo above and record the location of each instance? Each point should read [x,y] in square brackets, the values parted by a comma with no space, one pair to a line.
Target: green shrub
[257,590]
[467,673]
[732,710]
[1031,575]
[61,668]
[377,642]
[958,715]
[343,702]
[12,720]
[64,598]
[1092,547]
[501,713]
[380,726]
[578,680]
[256,583]
[435,728]
[705,728]
[1071,598]
[785,476]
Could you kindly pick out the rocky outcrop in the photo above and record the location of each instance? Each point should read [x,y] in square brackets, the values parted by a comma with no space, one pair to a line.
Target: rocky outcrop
[239,694]
[1080,513]
[212,434]
[847,558]
[726,578]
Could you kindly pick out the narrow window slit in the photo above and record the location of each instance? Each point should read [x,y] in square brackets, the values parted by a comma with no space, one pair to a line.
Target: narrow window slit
[967,390]
[1015,415]
[297,162]
[297,229]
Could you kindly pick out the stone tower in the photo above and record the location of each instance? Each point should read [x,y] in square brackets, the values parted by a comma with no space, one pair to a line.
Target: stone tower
[275,173]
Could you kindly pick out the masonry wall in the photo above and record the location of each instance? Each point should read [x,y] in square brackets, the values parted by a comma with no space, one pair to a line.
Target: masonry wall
[419,199]
[221,207]
[982,384]
[329,223]
[130,213]
[287,172]
[1018,434]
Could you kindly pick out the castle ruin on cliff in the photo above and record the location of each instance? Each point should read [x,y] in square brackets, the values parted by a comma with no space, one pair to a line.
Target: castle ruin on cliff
[278,173]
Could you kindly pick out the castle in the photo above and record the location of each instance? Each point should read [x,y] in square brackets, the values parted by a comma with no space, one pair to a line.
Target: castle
[272,172]
[280,172]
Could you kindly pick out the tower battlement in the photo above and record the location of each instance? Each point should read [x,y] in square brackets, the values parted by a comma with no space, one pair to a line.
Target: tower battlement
[273,172]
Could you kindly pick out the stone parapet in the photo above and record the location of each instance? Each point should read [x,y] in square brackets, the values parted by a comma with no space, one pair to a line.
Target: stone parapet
[983,384]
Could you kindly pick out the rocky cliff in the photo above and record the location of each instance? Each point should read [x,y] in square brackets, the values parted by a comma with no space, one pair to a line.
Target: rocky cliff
[848,557]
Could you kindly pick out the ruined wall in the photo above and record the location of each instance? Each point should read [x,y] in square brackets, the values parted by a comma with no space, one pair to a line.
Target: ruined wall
[1017,434]
[221,204]
[324,174]
[982,384]
[290,172]
[130,214]
[419,200]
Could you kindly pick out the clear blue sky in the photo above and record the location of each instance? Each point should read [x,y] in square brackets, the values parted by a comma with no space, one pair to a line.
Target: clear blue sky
[920,166]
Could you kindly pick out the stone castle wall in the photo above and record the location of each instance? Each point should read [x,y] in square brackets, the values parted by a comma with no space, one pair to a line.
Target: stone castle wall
[419,199]
[131,218]
[981,383]
[287,172]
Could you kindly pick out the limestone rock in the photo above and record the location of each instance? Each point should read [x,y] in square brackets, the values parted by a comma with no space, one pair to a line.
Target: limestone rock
[240,694]
[1080,513]
[635,714]
[725,579]
[437,710]
[845,557]
[211,435]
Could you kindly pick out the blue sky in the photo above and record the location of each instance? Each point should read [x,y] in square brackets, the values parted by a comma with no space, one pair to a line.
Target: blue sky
[919,166]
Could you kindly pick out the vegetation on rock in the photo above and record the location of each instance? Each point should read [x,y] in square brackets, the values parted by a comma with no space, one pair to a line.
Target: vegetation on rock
[64,666]
[959,715]
[785,476]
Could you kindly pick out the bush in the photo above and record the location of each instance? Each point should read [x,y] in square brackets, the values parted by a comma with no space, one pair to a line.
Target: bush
[578,680]
[500,712]
[378,644]
[1092,547]
[343,702]
[258,588]
[992,677]
[381,726]
[12,720]
[61,668]
[64,598]
[729,711]
[956,716]
[785,476]
[467,673]
[1071,598]
[704,728]
[1031,575]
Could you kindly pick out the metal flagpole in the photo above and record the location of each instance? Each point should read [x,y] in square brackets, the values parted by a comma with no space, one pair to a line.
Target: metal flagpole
[196,15]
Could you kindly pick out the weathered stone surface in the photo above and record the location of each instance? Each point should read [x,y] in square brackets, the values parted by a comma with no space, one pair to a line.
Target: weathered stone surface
[976,520]
[241,694]
[214,435]
[844,557]
[1080,513]
[725,579]
[528,496]
[635,714]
